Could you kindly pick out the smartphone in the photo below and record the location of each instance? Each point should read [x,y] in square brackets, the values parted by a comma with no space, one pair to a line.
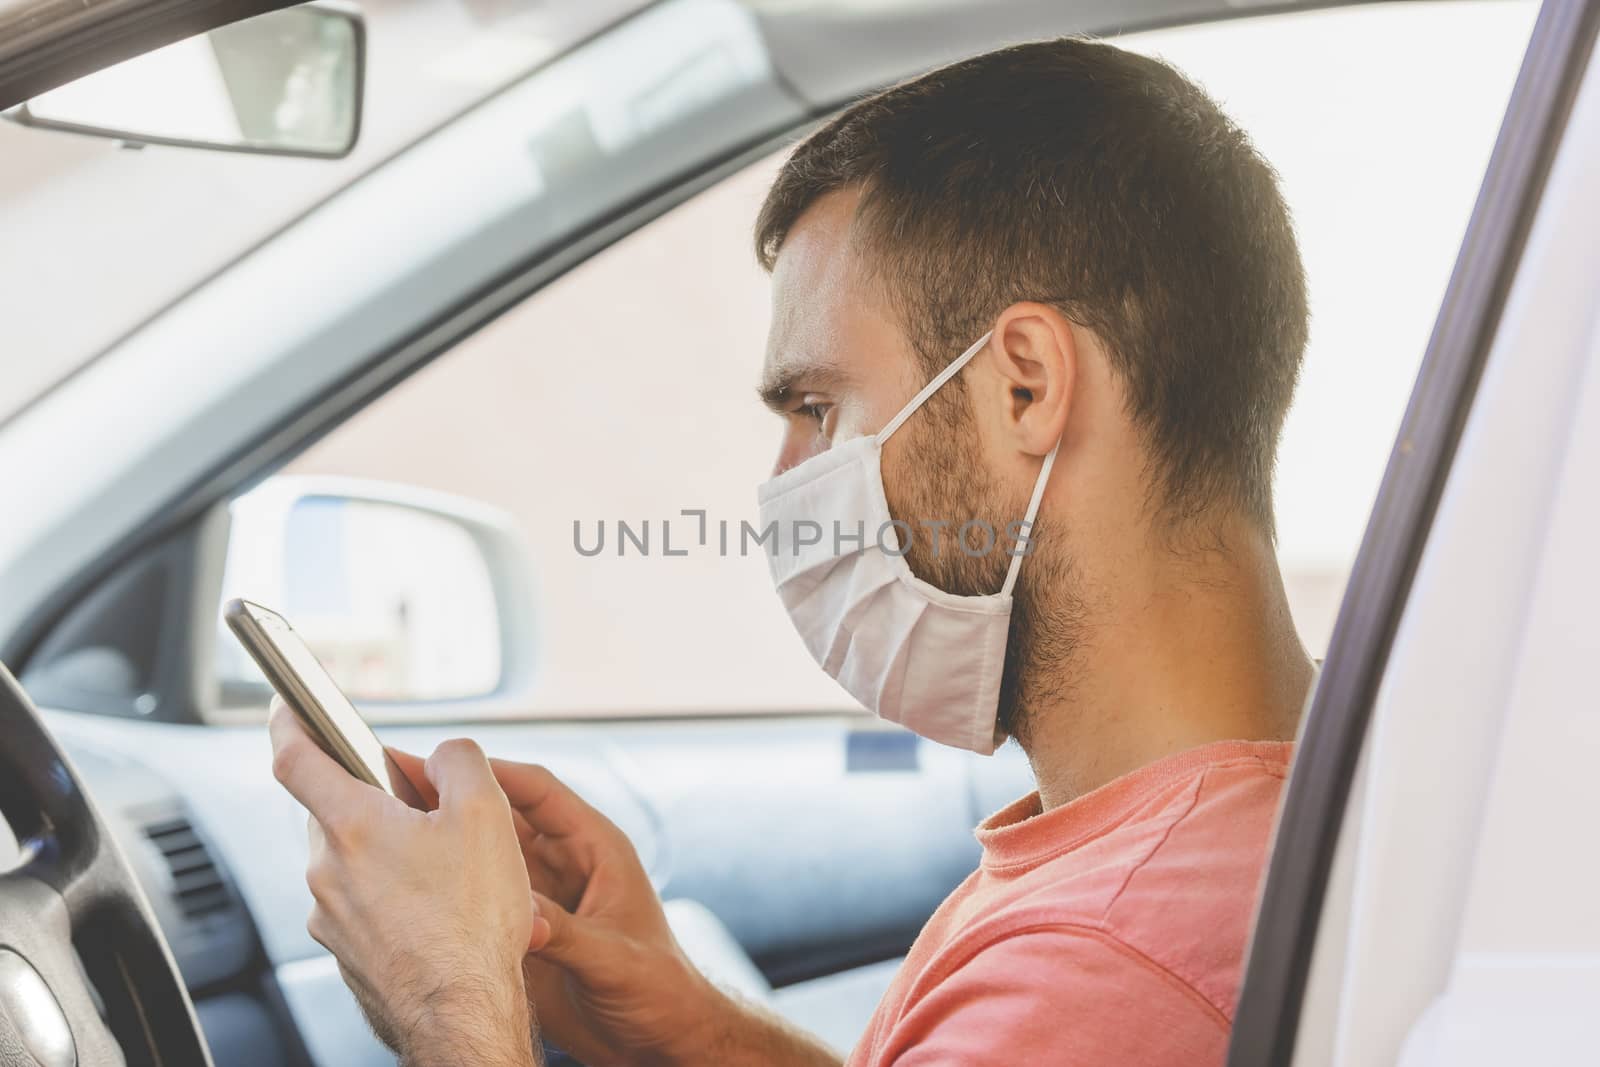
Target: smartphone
[311,693]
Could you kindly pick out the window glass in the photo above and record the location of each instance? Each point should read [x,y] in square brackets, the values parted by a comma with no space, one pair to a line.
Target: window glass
[1380,122]
[624,391]
[85,223]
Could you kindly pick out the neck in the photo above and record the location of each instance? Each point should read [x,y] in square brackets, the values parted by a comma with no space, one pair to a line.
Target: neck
[1182,650]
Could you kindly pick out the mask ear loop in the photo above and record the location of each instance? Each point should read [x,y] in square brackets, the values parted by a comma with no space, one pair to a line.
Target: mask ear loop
[1027,521]
[933,387]
[1044,472]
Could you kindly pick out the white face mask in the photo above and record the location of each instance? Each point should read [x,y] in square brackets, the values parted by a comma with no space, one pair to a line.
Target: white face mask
[909,651]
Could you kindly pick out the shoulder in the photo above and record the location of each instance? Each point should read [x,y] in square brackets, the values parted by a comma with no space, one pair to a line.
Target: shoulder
[1188,900]
[1059,993]
[1123,947]
[1174,884]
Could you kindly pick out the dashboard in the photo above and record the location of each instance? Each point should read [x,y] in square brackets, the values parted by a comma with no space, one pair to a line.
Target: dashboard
[797,856]
[205,919]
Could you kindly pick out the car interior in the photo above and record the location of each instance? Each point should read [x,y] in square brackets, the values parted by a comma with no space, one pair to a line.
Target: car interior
[467,392]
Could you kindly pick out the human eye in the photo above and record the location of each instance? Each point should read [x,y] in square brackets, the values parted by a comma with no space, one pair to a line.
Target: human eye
[816,412]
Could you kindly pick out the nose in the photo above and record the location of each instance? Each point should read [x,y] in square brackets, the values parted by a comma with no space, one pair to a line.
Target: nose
[800,443]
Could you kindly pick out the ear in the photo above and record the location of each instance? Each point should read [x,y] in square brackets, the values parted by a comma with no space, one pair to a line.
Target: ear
[1035,353]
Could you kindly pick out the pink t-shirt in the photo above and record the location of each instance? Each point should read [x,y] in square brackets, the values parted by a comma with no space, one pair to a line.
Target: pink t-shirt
[1111,930]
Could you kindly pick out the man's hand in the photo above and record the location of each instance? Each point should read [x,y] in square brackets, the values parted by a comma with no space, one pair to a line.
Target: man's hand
[428,912]
[605,977]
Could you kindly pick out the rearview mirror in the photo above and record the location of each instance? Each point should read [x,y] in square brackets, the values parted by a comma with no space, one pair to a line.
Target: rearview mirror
[408,597]
[284,83]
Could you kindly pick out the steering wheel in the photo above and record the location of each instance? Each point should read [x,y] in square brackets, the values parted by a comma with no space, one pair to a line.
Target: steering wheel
[86,978]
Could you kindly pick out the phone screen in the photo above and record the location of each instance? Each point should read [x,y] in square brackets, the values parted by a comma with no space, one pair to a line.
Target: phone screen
[342,716]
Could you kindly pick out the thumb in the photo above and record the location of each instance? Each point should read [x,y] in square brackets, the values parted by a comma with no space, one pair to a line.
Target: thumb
[560,937]
[460,772]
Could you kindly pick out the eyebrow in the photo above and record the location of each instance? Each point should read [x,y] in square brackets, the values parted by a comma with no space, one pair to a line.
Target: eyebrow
[781,383]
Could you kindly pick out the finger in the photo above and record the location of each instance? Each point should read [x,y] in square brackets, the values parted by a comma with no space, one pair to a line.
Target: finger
[558,873]
[309,774]
[320,929]
[557,870]
[559,936]
[460,773]
[415,770]
[549,806]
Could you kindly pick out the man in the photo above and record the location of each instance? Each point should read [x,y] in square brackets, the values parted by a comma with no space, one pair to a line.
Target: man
[1094,274]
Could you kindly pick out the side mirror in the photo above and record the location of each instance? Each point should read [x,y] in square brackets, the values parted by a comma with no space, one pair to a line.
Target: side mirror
[408,597]
[284,83]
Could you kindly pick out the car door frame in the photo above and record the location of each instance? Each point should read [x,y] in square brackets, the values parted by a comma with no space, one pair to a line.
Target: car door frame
[1289,917]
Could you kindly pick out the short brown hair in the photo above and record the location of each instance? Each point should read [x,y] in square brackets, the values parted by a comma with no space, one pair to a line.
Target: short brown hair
[1108,185]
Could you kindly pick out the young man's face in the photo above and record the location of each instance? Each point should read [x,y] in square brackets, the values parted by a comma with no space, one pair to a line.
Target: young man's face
[837,365]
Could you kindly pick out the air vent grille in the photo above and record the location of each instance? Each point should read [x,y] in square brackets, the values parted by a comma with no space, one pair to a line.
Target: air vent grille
[197,885]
